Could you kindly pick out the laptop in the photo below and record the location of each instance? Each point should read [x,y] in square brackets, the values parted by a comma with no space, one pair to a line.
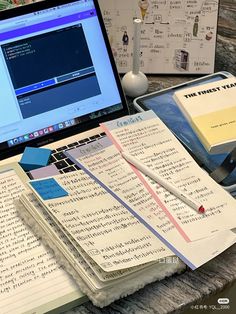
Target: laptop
[58,78]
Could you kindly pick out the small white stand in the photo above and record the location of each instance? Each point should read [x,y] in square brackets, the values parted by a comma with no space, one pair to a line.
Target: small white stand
[135,83]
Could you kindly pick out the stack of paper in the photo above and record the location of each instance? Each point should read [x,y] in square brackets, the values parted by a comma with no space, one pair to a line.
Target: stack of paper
[115,229]
[105,248]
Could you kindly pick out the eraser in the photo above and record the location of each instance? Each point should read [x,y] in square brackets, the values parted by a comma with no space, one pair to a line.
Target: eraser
[34,158]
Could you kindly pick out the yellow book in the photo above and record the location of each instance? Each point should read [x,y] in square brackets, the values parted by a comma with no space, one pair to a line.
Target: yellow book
[211,112]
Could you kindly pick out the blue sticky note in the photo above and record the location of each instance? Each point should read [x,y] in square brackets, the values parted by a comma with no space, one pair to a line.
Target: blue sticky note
[48,189]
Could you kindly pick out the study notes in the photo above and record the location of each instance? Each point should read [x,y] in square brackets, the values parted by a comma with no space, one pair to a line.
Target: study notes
[106,249]
[149,140]
[102,227]
[105,164]
[167,217]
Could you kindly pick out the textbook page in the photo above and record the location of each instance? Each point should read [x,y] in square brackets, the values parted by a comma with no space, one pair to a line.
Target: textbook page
[31,280]
[102,227]
[90,275]
[109,291]
[146,137]
[103,162]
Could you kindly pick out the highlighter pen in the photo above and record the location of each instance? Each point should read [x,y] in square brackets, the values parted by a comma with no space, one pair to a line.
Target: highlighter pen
[164,183]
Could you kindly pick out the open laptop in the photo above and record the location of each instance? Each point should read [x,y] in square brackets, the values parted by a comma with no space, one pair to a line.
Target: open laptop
[58,78]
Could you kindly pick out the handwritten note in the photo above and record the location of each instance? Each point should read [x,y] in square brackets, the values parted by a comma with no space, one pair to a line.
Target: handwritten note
[104,163]
[102,226]
[148,139]
[100,292]
[48,189]
[81,261]
[29,274]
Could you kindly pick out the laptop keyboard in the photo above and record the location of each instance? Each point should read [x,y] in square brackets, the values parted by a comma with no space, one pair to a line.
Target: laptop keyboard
[62,162]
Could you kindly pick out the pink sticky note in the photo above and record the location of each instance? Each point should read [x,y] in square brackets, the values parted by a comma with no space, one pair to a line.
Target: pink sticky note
[44,172]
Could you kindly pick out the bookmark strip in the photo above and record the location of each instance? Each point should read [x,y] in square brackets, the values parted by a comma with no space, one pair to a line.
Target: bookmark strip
[148,187]
[167,243]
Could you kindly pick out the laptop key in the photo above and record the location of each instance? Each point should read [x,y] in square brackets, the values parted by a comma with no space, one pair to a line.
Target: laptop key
[77,167]
[59,156]
[84,141]
[70,162]
[52,160]
[69,169]
[73,144]
[61,148]
[94,137]
[61,164]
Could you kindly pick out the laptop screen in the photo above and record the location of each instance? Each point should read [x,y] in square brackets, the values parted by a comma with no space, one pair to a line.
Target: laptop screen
[56,72]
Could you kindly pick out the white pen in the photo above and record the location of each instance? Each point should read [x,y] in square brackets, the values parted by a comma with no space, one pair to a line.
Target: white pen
[164,183]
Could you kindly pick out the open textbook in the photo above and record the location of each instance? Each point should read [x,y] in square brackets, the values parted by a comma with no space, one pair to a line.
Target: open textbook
[112,227]
[31,279]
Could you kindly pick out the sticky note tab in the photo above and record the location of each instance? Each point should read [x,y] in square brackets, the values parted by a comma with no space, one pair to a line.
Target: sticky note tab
[44,172]
[48,189]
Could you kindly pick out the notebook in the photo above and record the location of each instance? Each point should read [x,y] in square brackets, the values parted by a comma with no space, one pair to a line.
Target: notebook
[58,76]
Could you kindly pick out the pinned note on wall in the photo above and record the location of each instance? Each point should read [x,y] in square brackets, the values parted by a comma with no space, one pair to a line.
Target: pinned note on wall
[48,189]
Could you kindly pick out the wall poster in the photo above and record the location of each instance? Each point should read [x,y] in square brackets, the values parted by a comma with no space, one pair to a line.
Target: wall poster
[177,36]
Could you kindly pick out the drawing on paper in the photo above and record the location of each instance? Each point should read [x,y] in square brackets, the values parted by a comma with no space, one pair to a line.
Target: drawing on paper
[176,36]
